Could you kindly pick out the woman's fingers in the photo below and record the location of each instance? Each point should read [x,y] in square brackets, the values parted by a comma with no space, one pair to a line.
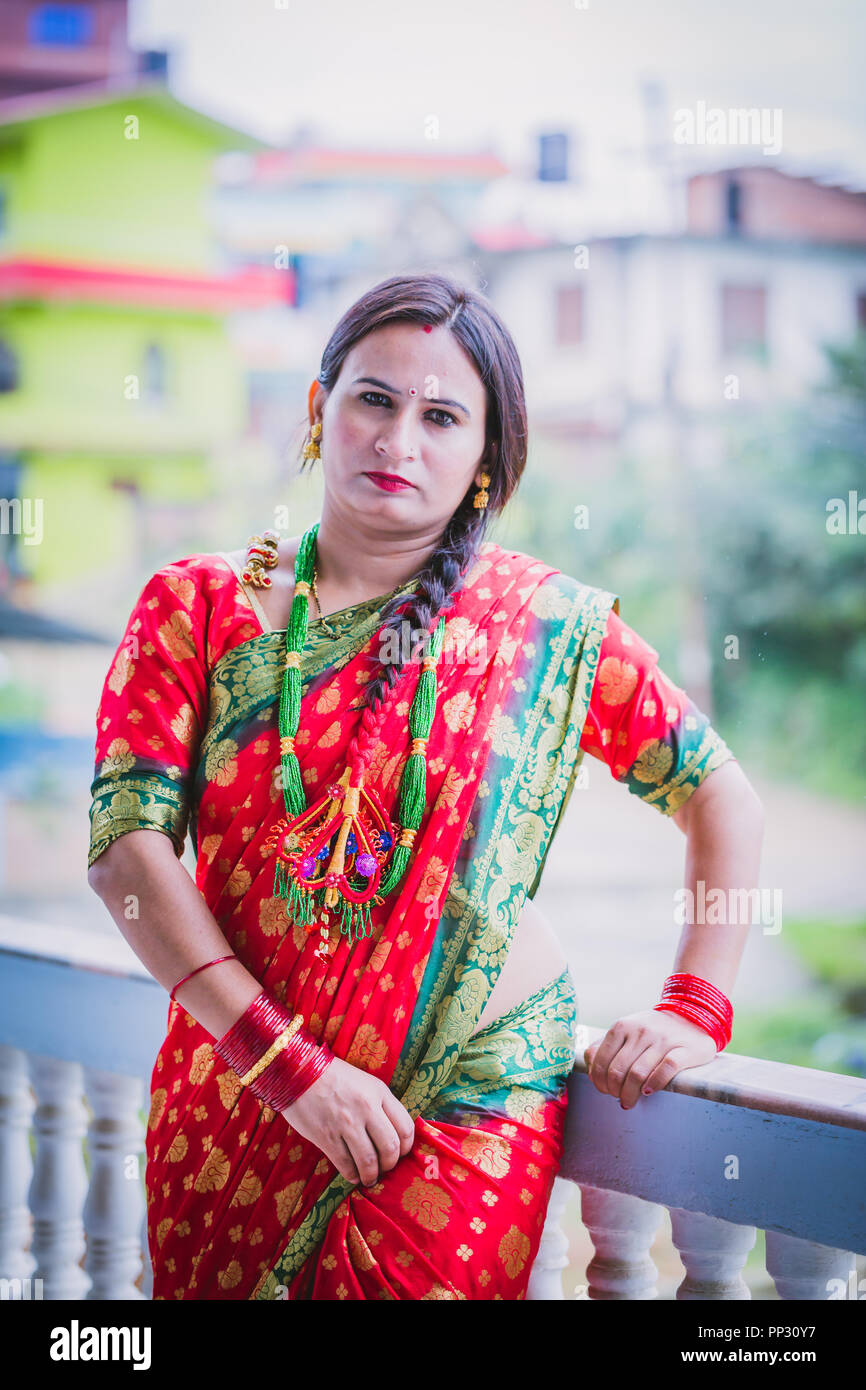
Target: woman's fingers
[364,1154]
[386,1141]
[401,1120]
[641,1068]
[612,1063]
[343,1161]
[603,1054]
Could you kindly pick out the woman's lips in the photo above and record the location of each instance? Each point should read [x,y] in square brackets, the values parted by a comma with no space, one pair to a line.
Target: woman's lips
[388,481]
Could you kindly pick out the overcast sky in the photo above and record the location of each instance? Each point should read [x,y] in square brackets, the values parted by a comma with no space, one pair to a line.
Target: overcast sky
[494,72]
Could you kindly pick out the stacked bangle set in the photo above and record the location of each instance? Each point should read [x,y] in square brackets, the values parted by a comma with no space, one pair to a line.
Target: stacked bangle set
[271,1051]
[701,1003]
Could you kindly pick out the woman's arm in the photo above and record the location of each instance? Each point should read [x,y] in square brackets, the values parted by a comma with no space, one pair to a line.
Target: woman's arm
[350,1115]
[723,822]
[162,915]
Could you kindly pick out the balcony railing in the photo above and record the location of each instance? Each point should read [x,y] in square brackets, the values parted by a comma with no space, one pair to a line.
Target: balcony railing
[728,1148]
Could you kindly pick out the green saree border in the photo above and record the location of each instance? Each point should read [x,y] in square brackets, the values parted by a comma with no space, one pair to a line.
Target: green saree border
[710,754]
[135,801]
[417,1078]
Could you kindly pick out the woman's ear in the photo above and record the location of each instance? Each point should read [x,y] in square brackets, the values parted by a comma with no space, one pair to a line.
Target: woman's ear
[488,462]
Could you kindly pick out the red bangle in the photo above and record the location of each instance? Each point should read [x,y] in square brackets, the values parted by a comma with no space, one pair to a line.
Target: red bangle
[250,1037]
[701,1003]
[292,1071]
[208,963]
[695,990]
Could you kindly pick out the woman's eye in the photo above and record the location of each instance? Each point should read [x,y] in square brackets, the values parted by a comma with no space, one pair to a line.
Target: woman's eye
[375,397]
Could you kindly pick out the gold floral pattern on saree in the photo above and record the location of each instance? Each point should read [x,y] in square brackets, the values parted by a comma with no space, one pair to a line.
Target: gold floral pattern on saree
[368,1050]
[514,1251]
[617,680]
[428,1204]
[214,1172]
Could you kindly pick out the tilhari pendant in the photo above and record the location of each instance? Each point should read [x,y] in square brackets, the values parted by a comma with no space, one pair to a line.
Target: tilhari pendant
[331,857]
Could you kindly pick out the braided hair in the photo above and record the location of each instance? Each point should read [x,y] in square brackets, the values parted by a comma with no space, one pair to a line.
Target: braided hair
[438,300]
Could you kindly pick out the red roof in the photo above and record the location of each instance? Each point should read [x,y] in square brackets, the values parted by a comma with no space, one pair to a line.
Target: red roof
[251,288]
[274,166]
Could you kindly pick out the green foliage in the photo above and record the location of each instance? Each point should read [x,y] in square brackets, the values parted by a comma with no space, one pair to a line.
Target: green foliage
[793,1033]
[21,704]
[745,542]
[835,952]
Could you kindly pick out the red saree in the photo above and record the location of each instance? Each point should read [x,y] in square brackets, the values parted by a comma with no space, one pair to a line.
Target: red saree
[239,1205]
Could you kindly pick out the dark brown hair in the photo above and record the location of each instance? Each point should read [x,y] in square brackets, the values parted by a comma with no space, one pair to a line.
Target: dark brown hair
[440,301]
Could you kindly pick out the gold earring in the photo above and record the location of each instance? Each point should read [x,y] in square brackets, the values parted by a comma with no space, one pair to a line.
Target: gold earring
[482,497]
[311,448]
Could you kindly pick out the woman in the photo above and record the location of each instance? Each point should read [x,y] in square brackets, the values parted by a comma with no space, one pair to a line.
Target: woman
[418,1162]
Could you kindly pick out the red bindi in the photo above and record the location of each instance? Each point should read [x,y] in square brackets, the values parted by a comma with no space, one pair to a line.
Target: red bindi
[428,328]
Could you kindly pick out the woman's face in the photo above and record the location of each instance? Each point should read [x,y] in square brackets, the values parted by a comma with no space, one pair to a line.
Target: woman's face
[407,403]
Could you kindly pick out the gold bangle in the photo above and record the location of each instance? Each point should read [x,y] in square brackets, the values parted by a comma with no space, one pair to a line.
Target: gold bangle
[274,1050]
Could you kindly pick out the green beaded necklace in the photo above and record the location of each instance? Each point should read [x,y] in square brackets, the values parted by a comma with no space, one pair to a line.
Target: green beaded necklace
[370,855]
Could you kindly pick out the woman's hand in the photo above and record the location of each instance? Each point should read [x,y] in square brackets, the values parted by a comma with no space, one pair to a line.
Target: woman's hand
[355,1120]
[642,1052]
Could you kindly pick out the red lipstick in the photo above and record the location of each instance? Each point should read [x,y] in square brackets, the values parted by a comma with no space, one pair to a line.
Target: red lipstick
[388,482]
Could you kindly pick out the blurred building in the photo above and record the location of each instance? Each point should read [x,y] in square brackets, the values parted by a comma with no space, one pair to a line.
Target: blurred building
[735,307]
[119,389]
[730,298]
[45,47]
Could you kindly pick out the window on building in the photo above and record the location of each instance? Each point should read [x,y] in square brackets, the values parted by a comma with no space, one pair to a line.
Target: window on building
[734,205]
[67,25]
[744,318]
[569,315]
[8,368]
[154,375]
[553,158]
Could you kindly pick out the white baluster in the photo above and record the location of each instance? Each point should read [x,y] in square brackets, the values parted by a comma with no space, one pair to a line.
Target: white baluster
[545,1281]
[803,1269]
[59,1183]
[147,1275]
[713,1252]
[112,1212]
[16,1165]
[623,1229]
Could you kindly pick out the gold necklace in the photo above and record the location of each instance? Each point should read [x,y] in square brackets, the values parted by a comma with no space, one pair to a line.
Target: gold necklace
[330,631]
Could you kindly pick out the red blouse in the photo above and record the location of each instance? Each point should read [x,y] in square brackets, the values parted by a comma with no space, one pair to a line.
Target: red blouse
[647,730]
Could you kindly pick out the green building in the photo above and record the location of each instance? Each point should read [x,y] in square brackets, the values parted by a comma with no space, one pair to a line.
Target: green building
[119,386]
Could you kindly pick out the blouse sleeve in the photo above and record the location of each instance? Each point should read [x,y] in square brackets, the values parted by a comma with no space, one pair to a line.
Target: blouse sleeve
[152,715]
[651,735]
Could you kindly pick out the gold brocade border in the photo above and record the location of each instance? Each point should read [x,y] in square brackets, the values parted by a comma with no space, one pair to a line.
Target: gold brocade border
[137,801]
[458,1022]
[248,677]
[712,748]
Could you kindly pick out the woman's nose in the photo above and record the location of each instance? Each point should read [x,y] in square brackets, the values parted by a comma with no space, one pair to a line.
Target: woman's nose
[399,440]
